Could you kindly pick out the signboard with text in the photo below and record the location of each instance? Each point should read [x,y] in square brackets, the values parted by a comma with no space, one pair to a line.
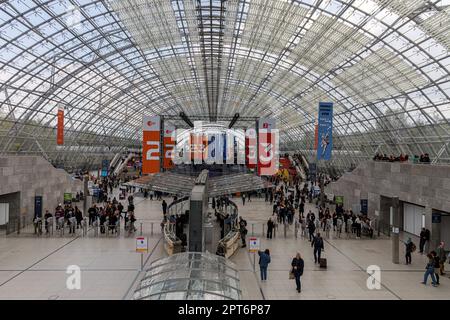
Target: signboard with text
[254,245]
[38,206]
[339,200]
[141,245]
[364,206]
[67,198]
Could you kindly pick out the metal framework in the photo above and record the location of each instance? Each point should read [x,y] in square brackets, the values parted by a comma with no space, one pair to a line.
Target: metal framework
[385,65]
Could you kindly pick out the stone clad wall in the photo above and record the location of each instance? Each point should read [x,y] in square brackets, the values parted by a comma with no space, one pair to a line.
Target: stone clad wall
[423,184]
[31,176]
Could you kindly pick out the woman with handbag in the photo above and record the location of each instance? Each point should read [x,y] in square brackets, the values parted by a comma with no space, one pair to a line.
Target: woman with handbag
[297,270]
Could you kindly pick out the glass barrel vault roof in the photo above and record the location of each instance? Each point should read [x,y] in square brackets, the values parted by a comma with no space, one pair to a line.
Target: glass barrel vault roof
[190,276]
[384,64]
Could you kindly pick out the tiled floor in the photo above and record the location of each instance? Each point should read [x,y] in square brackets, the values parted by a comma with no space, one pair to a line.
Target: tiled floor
[348,259]
[35,268]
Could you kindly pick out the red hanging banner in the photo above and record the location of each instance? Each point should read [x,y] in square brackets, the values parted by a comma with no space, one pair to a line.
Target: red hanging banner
[267,147]
[60,128]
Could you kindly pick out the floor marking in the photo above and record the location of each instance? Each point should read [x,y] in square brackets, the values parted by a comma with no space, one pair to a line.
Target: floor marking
[361,268]
[256,276]
[42,259]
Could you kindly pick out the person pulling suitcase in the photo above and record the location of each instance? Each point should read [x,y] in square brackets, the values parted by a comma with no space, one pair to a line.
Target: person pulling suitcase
[317,243]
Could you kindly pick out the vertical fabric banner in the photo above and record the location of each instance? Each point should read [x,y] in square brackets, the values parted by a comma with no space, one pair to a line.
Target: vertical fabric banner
[197,142]
[105,167]
[240,150]
[169,145]
[191,148]
[231,146]
[224,146]
[60,127]
[151,145]
[325,124]
[267,148]
[250,148]
[213,156]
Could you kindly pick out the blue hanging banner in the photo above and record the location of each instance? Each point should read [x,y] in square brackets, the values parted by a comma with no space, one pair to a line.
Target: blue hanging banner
[325,131]
[105,166]
[224,137]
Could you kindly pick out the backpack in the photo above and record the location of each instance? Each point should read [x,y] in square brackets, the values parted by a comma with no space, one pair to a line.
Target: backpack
[412,247]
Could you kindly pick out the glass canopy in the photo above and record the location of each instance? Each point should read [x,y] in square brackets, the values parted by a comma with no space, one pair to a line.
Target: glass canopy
[384,64]
[190,276]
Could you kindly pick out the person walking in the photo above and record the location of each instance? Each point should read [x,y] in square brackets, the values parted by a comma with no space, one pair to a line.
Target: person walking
[429,271]
[243,231]
[436,265]
[297,269]
[408,249]
[440,251]
[311,229]
[422,240]
[264,260]
[317,243]
[270,226]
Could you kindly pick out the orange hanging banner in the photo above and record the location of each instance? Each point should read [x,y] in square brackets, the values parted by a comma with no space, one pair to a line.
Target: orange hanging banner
[151,145]
[60,128]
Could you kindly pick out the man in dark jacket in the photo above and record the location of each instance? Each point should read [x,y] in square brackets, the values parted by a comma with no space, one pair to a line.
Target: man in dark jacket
[92,214]
[297,269]
[317,243]
[311,229]
[243,231]
[422,240]
[270,226]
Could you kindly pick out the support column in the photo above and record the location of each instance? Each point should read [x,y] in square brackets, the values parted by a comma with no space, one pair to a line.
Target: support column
[86,193]
[395,227]
[428,225]
[435,237]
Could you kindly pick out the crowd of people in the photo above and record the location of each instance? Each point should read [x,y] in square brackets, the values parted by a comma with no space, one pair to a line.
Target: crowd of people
[285,204]
[424,158]
[64,215]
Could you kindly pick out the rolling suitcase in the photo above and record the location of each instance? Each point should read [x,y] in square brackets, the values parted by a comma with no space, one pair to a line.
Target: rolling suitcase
[323,263]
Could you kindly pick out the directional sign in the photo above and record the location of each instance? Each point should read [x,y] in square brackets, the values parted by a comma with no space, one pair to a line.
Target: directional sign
[254,244]
[141,245]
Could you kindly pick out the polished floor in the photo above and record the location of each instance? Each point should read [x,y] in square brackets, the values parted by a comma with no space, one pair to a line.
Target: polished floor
[35,268]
